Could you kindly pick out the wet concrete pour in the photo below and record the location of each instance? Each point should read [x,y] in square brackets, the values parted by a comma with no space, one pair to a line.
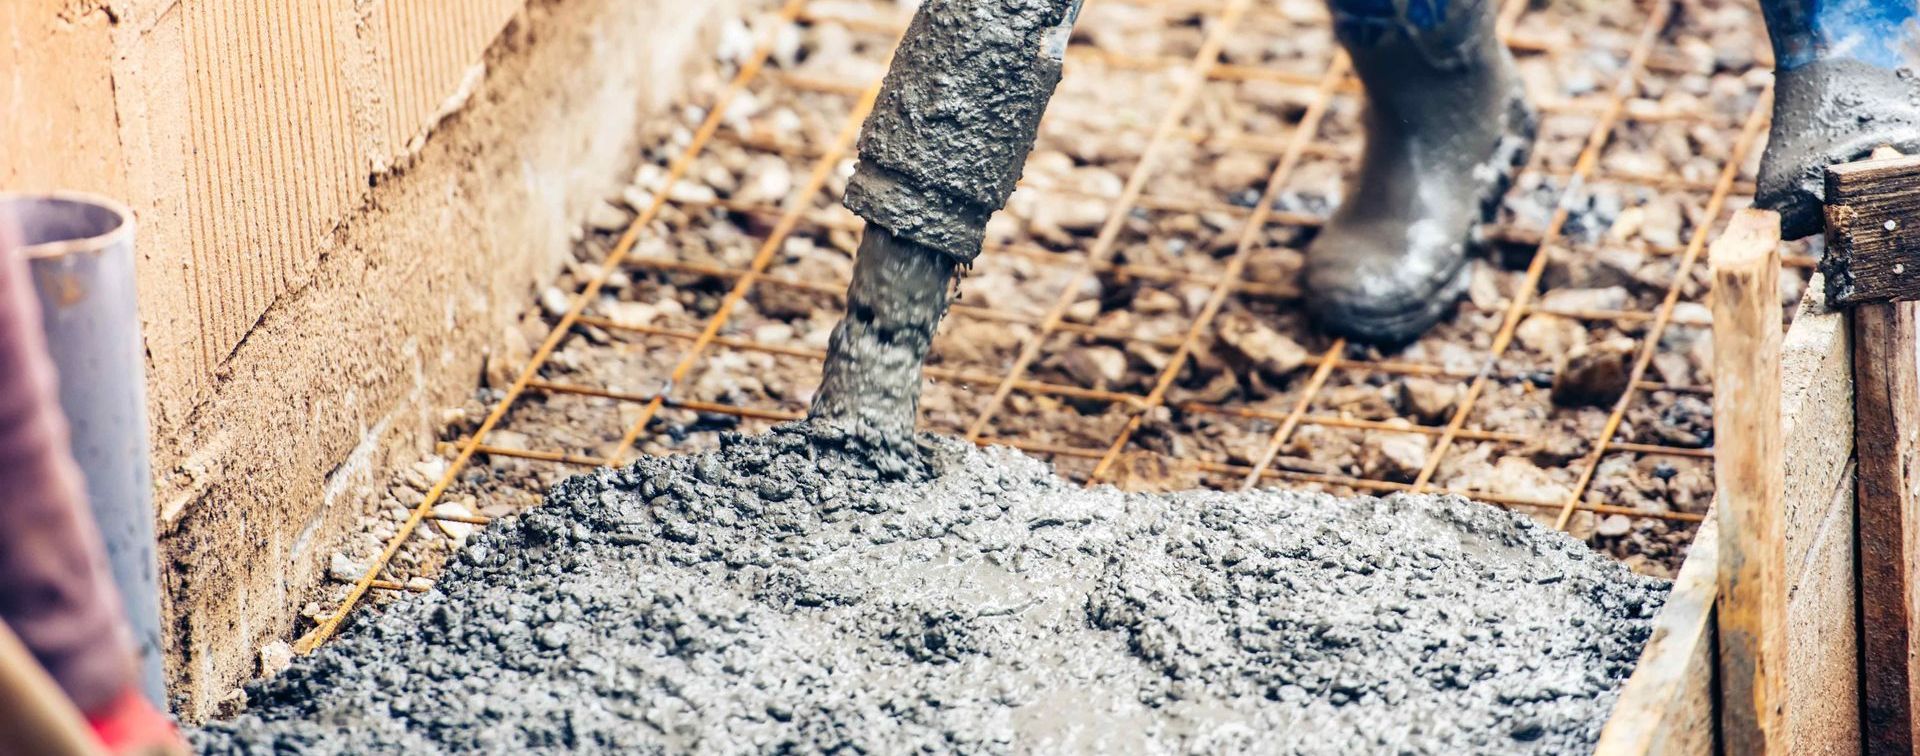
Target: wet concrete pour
[774,596]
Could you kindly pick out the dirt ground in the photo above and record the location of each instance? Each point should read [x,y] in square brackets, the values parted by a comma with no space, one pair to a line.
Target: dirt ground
[1369,428]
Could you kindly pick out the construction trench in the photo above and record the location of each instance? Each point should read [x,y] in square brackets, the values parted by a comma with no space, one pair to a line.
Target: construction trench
[1134,321]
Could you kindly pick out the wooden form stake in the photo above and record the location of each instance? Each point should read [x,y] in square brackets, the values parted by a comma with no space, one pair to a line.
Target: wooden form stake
[35,715]
[1750,479]
[1873,265]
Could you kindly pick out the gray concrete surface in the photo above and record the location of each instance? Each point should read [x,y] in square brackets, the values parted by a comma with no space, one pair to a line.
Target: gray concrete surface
[776,596]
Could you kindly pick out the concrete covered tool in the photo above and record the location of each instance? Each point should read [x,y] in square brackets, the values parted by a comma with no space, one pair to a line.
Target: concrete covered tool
[941,152]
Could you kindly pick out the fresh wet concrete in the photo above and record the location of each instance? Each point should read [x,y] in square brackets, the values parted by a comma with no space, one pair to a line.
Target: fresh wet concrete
[776,596]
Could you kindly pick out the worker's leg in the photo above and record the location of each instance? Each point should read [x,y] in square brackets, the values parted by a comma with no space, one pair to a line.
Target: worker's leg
[56,592]
[1447,124]
[1844,83]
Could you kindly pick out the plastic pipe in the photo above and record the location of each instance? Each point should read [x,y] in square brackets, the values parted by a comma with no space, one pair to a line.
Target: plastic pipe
[79,251]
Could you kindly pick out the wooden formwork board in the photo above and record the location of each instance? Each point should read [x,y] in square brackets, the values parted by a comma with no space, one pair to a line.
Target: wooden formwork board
[1667,706]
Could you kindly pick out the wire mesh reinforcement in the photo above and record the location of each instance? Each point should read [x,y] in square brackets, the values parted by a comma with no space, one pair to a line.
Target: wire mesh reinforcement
[1329,79]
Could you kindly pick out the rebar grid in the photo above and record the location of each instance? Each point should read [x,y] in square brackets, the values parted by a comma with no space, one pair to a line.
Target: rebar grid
[1494,231]
[1097,259]
[1756,120]
[1589,157]
[796,206]
[1251,229]
[331,623]
[1104,245]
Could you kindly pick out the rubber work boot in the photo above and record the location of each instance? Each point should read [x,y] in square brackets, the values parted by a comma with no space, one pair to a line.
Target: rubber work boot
[1447,124]
[1844,84]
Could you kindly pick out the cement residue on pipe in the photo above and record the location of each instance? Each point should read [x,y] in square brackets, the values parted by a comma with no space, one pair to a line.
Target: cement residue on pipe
[870,384]
[777,595]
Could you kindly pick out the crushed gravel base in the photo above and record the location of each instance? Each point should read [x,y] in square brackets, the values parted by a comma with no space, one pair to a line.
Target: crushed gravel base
[774,596]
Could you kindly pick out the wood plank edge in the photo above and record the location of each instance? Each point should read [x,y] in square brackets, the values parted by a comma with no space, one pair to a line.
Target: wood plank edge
[1659,692]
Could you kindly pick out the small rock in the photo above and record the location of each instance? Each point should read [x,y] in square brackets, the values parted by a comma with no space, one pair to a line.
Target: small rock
[430,469]
[1699,55]
[606,218]
[1428,400]
[736,42]
[1362,400]
[1594,375]
[1585,300]
[1098,182]
[1692,313]
[1614,526]
[508,357]
[1155,359]
[342,567]
[1097,188]
[458,531]
[1615,266]
[1627,223]
[1239,170]
[1084,311]
[1260,346]
[1598,269]
[509,439]
[1484,289]
[275,657]
[1673,369]
[1514,476]
[769,180]
[692,193]
[636,198]
[786,45]
[630,313]
[1099,367]
[554,302]
[1557,449]
[1218,388]
[1155,302]
[1393,456]
[1661,223]
[773,333]
[1550,335]
[649,178]
[1068,214]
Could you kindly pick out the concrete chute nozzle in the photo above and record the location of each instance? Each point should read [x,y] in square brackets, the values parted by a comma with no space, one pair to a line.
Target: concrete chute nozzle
[940,153]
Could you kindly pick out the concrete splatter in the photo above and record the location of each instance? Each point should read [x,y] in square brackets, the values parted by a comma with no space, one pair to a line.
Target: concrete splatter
[780,595]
